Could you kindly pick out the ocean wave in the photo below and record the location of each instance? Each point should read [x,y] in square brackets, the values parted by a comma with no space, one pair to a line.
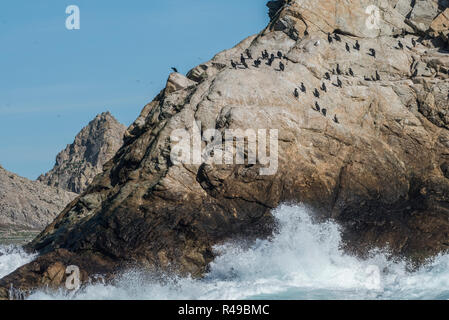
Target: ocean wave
[303,260]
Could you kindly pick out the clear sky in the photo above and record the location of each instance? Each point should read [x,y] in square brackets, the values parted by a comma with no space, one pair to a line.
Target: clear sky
[54,81]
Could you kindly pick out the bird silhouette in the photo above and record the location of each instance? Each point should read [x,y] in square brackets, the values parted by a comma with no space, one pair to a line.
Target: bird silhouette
[323,87]
[351,72]
[324,112]
[338,69]
[357,45]
[336,119]
[347,47]
[377,76]
[281,66]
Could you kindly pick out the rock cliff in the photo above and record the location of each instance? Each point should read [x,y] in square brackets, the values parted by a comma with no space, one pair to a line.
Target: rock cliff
[80,162]
[361,110]
[27,205]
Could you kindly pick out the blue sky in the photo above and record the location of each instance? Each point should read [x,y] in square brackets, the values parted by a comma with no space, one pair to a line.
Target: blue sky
[54,81]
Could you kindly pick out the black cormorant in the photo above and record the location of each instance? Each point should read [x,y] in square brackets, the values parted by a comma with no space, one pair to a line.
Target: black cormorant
[281,66]
[323,87]
[335,119]
[351,72]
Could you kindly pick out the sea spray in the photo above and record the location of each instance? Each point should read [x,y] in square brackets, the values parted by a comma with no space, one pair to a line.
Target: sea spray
[11,258]
[302,260]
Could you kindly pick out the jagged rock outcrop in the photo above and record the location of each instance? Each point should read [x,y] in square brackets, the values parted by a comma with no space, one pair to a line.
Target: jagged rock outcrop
[376,161]
[80,162]
[27,205]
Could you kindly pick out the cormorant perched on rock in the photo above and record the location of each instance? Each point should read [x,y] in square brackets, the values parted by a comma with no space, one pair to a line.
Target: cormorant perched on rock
[280,55]
[174,69]
[296,93]
[317,107]
[257,63]
[414,42]
[337,37]
[339,83]
[265,54]
[357,45]
[270,61]
[336,119]
[281,66]
[347,47]
[324,112]
[327,76]
[372,52]
[377,76]
[233,64]
[272,56]
[351,72]
[245,65]
[338,69]
[323,87]
[303,87]
[400,45]
[333,71]
[248,53]
[242,59]
[316,93]
[329,38]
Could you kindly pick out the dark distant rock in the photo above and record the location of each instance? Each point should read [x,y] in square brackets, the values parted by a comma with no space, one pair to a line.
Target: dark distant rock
[80,162]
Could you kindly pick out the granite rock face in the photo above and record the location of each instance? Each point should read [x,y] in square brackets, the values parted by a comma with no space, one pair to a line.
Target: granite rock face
[27,205]
[376,161]
[80,162]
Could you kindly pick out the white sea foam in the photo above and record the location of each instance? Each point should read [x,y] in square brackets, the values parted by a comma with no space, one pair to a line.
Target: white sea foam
[11,258]
[303,260]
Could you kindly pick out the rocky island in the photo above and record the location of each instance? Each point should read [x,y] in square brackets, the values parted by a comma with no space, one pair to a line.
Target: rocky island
[358,92]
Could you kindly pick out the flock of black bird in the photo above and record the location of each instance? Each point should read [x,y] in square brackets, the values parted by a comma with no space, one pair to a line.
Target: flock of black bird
[257,62]
[270,58]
